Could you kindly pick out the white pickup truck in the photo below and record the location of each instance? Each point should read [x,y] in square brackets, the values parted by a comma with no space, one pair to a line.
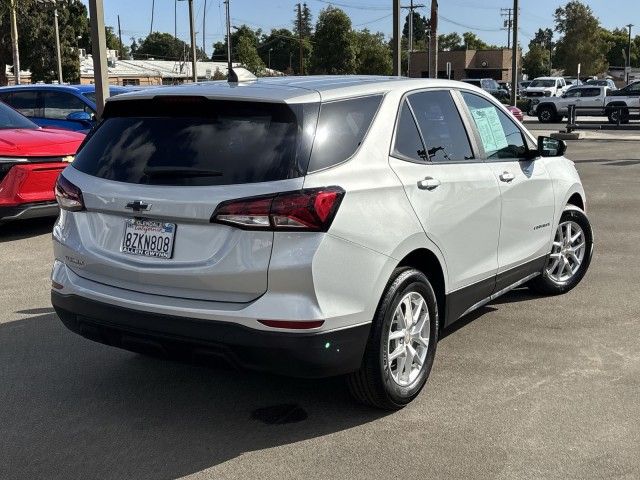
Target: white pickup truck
[591,100]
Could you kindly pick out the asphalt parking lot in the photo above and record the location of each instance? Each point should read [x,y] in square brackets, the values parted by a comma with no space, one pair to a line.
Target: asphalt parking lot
[526,388]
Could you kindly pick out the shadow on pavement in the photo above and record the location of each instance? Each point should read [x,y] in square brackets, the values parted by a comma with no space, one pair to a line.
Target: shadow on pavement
[21,229]
[71,408]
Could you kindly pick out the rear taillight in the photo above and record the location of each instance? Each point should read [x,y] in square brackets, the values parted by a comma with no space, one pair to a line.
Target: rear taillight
[307,210]
[69,196]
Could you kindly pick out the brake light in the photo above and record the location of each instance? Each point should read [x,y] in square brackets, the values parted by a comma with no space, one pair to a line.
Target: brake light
[69,196]
[293,324]
[307,210]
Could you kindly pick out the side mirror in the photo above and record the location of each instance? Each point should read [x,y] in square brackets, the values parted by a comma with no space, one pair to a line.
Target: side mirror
[80,116]
[551,147]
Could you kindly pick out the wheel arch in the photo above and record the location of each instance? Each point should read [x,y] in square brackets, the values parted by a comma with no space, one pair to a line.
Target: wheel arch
[428,263]
[577,200]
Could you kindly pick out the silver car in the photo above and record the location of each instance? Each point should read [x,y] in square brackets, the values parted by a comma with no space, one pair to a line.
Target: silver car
[310,226]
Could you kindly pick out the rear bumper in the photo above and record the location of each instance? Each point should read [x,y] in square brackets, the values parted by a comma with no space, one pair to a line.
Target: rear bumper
[309,354]
[28,210]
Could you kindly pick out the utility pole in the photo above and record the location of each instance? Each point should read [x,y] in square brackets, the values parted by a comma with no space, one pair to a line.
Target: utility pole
[514,55]
[153,7]
[300,39]
[120,39]
[628,69]
[507,12]
[433,41]
[194,72]
[270,60]
[204,17]
[99,42]
[428,34]
[411,8]
[14,43]
[396,38]
[57,31]
[229,64]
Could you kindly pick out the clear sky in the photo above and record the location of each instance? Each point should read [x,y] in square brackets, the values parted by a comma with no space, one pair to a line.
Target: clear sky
[480,16]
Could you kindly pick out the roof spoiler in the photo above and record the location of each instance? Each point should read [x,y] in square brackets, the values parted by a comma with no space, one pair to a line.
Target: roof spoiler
[240,74]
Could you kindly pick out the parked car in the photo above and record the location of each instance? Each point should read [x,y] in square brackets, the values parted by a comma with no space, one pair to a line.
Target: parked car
[516,112]
[589,98]
[489,85]
[603,82]
[66,106]
[522,86]
[572,81]
[628,96]
[342,222]
[546,87]
[30,160]
[506,86]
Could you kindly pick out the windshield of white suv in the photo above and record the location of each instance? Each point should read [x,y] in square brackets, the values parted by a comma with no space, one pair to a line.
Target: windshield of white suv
[543,83]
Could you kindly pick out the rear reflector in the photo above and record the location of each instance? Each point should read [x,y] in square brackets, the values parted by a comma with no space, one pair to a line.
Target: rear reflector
[292,324]
[69,196]
[307,210]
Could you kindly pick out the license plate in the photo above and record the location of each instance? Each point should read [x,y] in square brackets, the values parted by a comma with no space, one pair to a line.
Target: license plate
[148,238]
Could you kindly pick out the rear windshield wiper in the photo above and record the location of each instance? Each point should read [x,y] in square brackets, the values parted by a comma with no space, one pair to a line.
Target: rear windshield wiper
[180,172]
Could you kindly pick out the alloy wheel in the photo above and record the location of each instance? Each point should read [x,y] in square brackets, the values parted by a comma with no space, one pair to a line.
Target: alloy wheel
[408,340]
[567,253]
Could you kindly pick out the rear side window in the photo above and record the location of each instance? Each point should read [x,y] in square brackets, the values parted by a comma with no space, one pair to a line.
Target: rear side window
[179,141]
[444,134]
[342,126]
[408,143]
[24,102]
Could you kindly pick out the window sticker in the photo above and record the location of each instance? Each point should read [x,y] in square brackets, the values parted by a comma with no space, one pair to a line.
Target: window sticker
[490,129]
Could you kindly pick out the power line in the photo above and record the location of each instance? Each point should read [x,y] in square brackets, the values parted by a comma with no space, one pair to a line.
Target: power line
[355,7]
[372,21]
[470,27]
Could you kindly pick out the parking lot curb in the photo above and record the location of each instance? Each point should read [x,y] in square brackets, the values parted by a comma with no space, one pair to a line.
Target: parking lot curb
[567,135]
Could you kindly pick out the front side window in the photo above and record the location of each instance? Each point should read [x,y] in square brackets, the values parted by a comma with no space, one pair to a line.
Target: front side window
[442,129]
[59,105]
[590,92]
[408,143]
[572,93]
[342,125]
[500,136]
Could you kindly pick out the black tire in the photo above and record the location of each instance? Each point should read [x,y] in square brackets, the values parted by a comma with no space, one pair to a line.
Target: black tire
[373,384]
[545,285]
[613,115]
[546,114]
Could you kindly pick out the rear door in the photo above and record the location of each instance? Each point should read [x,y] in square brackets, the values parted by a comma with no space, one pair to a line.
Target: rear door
[453,192]
[164,167]
[527,211]
[592,99]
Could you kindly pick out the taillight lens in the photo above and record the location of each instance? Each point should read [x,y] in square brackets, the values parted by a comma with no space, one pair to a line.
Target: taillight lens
[307,210]
[69,196]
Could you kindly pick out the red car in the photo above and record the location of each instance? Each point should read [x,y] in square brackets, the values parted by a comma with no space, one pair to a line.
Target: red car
[516,112]
[30,160]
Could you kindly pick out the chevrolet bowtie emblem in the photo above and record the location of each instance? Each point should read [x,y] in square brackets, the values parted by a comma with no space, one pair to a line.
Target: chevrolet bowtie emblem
[68,158]
[138,206]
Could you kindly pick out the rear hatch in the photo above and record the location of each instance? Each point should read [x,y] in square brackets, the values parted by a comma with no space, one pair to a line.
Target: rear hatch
[153,173]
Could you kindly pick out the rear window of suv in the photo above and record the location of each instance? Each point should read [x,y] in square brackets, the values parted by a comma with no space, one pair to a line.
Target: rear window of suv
[197,141]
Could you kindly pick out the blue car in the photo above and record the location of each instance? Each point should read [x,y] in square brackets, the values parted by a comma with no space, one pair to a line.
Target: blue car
[72,107]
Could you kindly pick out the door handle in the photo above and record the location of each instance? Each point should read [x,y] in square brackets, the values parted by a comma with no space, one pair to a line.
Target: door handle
[428,183]
[507,177]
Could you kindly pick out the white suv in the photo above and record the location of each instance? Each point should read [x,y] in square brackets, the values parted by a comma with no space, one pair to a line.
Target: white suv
[310,226]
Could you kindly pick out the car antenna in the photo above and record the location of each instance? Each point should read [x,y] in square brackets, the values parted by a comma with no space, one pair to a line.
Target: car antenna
[240,74]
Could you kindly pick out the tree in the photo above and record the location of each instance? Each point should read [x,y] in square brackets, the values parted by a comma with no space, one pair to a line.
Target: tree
[372,53]
[543,38]
[113,43]
[220,48]
[419,27]
[164,46]
[617,41]
[581,41]
[333,51]
[307,18]
[472,42]
[450,42]
[37,38]
[535,63]
[247,55]
[284,47]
